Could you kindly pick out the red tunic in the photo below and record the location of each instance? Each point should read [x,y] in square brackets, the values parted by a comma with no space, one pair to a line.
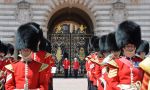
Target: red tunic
[6,62]
[76,65]
[66,64]
[16,76]
[121,75]
[44,57]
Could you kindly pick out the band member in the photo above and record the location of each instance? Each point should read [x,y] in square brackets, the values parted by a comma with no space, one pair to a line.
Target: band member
[99,68]
[43,55]
[109,59]
[143,49]
[26,73]
[3,52]
[125,72]
[9,57]
[66,66]
[76,66]
[93,46]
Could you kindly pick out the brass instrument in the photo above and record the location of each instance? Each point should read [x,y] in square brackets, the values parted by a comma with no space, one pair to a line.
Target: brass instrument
[94,58]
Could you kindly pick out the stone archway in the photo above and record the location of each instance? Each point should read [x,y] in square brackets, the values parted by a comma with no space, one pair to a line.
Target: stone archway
[70,29]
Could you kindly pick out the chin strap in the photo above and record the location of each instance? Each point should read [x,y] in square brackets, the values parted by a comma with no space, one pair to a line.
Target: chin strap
[27,58]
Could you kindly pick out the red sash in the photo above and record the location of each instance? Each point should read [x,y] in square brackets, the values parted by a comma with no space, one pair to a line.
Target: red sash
[126,61]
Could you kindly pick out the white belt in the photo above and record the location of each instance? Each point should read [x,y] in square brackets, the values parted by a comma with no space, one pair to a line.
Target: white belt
[136,86]
[123,86]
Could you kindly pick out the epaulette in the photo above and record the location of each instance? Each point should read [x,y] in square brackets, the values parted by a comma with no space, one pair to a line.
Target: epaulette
[145,64]
[9,67]
[47,55]
[113,63]
[112,73]
[43,67]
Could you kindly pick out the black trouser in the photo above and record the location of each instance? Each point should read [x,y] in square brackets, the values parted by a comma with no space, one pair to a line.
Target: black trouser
[66,72]
[94,87]
[50,84]
[75,73]
[89,85]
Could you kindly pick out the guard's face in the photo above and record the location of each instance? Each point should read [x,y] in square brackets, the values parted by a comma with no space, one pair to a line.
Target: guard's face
[2,54]
[116,54]
[129,50]
[25,52]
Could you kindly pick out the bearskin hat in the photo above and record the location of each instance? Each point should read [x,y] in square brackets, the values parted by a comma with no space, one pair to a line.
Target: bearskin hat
[128,32]
[102,43]
[45,45]
[144,47]
[111,42]
[95,43]
[38,29]
[3,48]
[65,55]
[10,49]
[28,35]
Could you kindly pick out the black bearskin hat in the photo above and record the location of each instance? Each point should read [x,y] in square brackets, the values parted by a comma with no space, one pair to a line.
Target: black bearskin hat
[95,43]
[144,47]
[111,42]
[10,49]
[102,43]
[28,35]
[128,32]
[45,45]
[3,48]
[65,55]
[38,29]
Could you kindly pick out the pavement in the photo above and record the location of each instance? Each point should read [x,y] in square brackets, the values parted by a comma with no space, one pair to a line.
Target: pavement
[70,84]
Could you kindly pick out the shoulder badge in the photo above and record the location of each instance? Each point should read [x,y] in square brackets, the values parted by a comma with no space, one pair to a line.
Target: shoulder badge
[43,67]
[113,63]
[9,67]
[112,73]
[47,55]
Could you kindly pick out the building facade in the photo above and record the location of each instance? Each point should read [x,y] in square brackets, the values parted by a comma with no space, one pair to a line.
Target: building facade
[69,24]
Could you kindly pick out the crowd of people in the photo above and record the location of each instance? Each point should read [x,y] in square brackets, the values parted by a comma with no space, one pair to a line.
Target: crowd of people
[33,69]
[118,60]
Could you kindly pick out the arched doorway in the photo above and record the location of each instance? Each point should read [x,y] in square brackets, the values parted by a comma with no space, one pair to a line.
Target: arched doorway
[69,30]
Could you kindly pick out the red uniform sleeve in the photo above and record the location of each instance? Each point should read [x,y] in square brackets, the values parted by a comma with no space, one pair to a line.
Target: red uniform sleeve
[10,84]
[43,82]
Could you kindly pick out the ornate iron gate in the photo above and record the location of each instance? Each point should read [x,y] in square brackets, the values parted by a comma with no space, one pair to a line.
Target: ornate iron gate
[71,38]
[73,44]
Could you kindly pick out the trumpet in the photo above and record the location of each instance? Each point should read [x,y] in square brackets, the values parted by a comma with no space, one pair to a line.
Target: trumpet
[107,59]
[94,58]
